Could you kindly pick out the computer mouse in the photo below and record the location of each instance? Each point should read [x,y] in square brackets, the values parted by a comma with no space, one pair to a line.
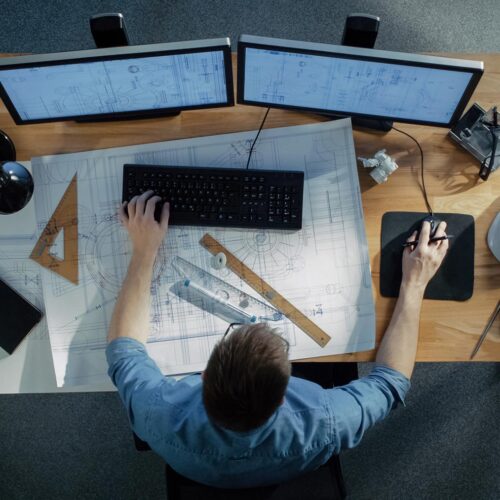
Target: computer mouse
[434,222]
[434,225]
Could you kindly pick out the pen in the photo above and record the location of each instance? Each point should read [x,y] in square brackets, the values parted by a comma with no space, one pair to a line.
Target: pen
[486,329]
[432,240]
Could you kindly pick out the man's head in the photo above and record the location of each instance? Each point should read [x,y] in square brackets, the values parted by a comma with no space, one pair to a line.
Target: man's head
[246,377]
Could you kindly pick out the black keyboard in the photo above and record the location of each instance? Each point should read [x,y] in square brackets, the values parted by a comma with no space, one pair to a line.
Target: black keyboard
[226,197]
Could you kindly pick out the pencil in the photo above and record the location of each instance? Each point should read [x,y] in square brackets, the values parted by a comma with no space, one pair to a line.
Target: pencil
[432,240]
[486,330]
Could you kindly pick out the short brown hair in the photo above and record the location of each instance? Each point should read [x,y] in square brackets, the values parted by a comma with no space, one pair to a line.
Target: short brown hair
[246,377]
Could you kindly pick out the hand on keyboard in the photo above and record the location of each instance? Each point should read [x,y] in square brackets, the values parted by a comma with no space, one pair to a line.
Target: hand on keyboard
[138,216]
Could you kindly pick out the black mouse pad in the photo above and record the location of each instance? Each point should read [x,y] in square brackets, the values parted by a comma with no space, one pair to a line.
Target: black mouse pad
[454,279]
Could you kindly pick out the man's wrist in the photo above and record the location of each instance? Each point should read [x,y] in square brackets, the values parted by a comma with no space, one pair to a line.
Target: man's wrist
[414,291]
[143,259]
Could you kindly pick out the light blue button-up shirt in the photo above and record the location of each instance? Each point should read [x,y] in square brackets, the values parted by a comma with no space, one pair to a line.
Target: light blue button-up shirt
[302,434]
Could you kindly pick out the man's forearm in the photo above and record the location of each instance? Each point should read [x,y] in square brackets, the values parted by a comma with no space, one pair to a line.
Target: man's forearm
[131,314]
[398,348]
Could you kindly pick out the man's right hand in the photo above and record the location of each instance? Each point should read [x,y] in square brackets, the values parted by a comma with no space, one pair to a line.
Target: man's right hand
[421,261]
[398,349]
[144,231]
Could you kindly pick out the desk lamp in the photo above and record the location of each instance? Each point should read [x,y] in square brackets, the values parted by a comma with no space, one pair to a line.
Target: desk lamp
[16,183]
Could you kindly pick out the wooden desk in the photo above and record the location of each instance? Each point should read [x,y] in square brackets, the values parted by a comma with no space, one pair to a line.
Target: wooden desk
[449,330]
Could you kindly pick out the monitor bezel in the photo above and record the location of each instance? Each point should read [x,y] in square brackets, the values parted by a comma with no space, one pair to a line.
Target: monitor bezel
[475,68]
[120,53]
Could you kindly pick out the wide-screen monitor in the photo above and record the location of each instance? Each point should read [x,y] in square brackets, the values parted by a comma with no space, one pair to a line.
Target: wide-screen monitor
[120,82]
[353,81]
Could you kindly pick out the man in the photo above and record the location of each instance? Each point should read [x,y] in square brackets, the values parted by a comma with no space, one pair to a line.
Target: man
[246,422]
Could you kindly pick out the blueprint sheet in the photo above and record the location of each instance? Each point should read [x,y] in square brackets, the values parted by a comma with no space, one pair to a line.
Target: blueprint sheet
[322,269]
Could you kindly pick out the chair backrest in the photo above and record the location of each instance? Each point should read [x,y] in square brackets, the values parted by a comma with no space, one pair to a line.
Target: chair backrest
[324,483]
[309,485]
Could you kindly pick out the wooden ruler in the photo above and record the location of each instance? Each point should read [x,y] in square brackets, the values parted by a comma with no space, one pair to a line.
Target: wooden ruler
[268,292]
[65,217]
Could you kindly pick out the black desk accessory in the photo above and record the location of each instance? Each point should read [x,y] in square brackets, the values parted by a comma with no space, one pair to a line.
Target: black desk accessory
[18,317]
[109,30]
[7,149]
[478,131]
[16,187]
[454,279]
[360,30]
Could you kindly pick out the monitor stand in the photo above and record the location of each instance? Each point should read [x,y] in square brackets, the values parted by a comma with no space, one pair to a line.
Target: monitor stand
[132,115]
[108,30]
[382,125]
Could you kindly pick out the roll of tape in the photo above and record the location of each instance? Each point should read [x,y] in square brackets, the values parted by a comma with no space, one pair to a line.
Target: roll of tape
[219,261]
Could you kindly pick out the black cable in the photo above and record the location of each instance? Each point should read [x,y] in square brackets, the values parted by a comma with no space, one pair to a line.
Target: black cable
[256,137]
[485,171]
[424,191]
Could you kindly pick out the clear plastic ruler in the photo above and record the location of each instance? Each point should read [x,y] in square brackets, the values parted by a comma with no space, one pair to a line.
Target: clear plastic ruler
[220,298]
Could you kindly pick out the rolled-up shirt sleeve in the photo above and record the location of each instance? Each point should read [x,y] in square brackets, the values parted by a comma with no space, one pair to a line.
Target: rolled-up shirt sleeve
[136,376]
[360,404]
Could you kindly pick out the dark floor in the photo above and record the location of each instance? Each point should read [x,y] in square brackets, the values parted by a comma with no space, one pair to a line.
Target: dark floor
[444,444]
[406,25]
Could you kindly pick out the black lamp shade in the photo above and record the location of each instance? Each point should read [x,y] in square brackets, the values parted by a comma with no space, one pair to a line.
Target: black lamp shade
[16,187]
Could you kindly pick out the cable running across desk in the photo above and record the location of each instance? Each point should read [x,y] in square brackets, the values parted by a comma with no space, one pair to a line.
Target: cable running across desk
[428,205]
[256,137]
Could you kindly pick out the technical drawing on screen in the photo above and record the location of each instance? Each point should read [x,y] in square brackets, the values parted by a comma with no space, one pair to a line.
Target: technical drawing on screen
[354,81]
[112,82]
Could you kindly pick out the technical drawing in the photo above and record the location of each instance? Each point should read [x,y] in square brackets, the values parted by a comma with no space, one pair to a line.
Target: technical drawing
[107,253]
[94,87]
[322,269]
[280,251]
[351,85]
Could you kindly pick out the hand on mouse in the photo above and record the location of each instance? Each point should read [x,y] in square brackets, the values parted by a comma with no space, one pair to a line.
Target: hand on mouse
[421,261]
[146,234]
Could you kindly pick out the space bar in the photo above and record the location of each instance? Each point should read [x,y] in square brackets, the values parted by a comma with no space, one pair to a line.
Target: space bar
[190,218]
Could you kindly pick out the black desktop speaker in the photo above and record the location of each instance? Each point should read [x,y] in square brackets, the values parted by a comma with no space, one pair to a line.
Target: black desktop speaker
[16,187]
[360,30]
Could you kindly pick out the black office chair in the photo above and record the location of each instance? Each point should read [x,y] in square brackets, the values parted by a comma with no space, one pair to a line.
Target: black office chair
[308,485]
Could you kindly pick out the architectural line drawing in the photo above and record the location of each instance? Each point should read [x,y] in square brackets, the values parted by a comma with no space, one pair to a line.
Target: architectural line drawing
[351,85]
[322,269]
[93,87]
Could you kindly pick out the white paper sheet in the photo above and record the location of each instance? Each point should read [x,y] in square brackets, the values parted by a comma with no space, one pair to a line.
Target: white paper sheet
[322,269]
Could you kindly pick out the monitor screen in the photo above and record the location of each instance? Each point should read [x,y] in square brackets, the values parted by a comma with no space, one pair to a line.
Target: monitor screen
[353,81]
[140,80]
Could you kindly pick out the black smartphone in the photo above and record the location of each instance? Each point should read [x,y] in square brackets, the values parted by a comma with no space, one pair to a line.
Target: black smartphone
[360,30]
[109,30]
[18,317]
